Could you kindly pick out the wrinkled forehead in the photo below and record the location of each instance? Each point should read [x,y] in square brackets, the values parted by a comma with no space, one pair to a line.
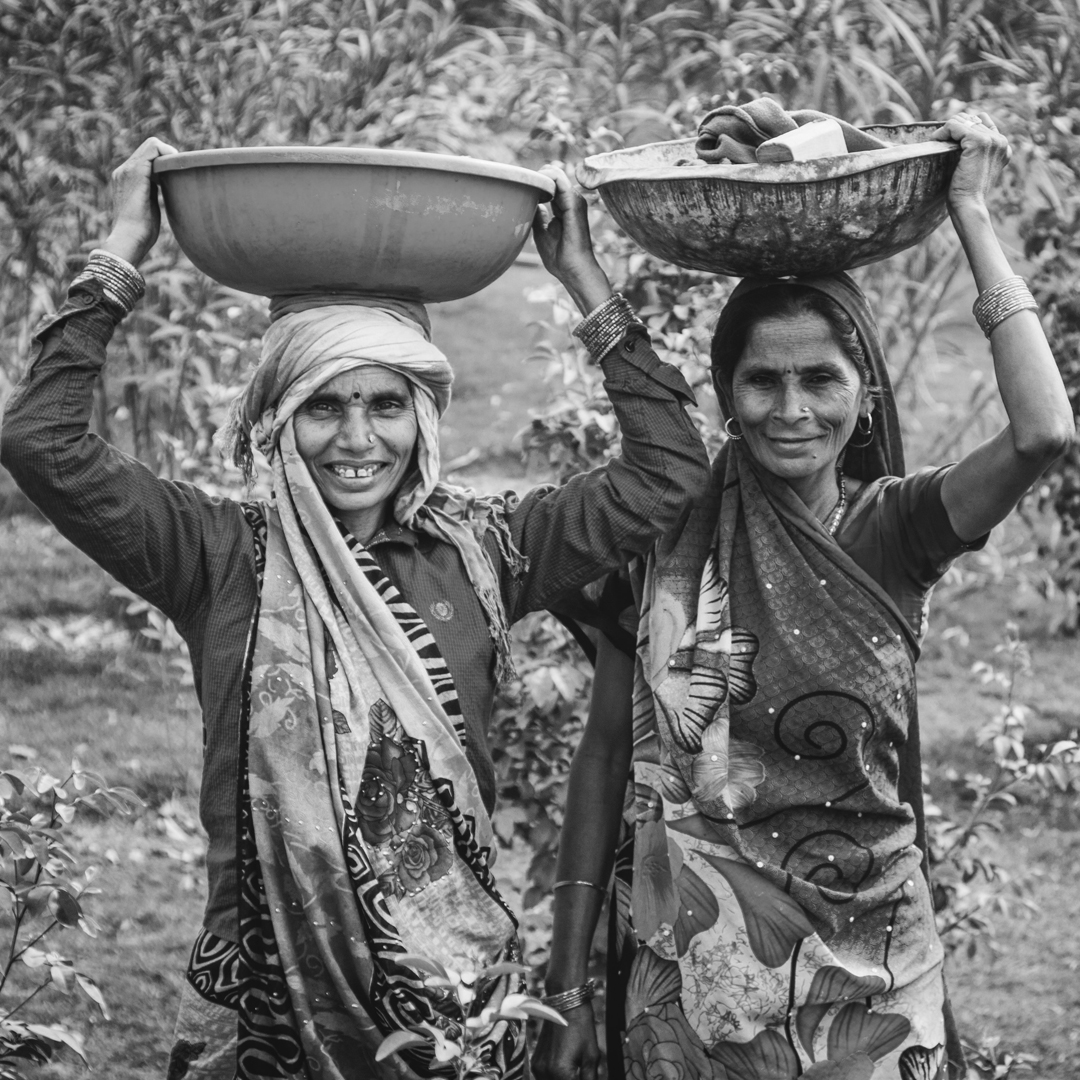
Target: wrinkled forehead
[366,380]
[792,343]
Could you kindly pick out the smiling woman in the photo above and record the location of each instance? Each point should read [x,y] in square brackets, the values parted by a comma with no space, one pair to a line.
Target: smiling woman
[772,914]
[347,639]
[357,436]
[801,387]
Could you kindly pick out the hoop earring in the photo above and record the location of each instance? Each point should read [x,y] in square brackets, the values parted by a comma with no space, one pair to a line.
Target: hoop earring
[868,431]
[727,427]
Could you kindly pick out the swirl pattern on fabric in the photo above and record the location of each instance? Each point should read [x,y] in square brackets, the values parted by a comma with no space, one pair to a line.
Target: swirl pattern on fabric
[771,909]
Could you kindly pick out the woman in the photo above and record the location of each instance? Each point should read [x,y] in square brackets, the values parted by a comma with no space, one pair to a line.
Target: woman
[346,641]
[771,912]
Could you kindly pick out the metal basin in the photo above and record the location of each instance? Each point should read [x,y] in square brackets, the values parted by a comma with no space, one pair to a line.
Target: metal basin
[284,220]
[813,217]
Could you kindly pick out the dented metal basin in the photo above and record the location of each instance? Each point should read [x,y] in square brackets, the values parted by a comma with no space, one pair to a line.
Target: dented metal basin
[285,220]
[811,217]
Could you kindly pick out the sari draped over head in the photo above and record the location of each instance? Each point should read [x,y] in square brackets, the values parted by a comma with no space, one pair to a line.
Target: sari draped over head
[772,916]
[362,829]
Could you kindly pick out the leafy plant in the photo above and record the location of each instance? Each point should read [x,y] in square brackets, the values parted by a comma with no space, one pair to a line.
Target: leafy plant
[458,1041]
[969,886]
[45,890]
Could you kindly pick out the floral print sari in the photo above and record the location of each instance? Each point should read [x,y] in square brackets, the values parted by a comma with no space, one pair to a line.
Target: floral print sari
[772,917]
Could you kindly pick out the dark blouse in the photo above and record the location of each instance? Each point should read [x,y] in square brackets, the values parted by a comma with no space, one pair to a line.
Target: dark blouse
[899,532]
[193,555]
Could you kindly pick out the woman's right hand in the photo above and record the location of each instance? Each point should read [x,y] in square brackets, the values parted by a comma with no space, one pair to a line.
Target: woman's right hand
[568,1053]
[136,213]
[561,232]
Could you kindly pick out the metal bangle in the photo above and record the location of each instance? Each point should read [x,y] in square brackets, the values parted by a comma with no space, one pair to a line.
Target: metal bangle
[1002,300]
[602,328]
[120,282]
[590,884]
[571,999]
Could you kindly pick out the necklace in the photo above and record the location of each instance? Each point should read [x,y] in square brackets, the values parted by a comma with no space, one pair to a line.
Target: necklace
[838,514]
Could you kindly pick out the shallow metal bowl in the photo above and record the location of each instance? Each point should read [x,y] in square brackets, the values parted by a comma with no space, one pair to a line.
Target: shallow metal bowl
[812,217]
[285,220]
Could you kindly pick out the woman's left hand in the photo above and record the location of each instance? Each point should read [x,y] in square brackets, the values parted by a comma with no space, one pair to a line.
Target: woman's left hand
[984,154]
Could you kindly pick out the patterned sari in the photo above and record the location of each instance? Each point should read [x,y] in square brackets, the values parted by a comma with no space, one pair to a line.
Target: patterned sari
[362,829]
[362,832]
[772,916]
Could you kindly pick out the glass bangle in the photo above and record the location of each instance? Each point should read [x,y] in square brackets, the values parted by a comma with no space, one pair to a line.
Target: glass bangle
[602,328]
[589,884]
[120,282]
[571,999]
[1002,300]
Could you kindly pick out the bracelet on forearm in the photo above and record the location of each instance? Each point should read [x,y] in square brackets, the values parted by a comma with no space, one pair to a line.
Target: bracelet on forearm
[121,283]
[590,884]
[1000,301]
[571,999]
[602,328]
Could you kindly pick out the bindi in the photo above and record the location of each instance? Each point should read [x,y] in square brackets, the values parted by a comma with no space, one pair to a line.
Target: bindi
[356,395]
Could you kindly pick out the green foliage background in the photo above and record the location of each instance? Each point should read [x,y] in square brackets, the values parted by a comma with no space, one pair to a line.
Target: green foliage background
[82,82]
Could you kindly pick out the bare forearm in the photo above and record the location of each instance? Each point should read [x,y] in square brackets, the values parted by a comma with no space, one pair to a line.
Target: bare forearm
[594,804]
[985,486]
[1030,384]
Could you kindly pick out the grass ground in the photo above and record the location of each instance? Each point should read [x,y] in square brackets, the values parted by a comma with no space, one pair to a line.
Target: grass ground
[81,689]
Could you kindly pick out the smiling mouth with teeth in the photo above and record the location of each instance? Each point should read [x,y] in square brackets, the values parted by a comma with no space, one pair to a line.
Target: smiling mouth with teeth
[348,473]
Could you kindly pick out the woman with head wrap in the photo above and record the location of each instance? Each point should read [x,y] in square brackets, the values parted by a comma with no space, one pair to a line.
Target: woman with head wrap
[771,910]
[346,640]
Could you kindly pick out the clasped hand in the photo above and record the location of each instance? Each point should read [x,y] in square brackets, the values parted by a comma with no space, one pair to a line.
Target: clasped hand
[136,213]
[984,153]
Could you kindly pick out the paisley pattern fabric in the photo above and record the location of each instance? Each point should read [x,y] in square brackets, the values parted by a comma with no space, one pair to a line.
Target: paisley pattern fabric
[214,969]
[772,916]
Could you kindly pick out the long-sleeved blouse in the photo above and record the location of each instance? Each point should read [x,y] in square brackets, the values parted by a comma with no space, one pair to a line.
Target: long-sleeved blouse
[194,555]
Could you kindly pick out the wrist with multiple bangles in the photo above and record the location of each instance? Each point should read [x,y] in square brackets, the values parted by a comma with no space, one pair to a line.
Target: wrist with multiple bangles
[578,995]
[120,282]
[1001,301]
[571,999]
[602,329]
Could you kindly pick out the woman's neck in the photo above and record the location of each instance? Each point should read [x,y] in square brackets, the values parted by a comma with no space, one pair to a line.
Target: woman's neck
[820,492]
[364,524]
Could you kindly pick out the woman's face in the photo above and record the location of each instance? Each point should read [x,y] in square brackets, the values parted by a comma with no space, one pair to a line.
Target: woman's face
[356,434]
[796,395]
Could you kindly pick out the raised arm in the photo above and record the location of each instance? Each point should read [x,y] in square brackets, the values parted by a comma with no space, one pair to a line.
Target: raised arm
[600,519]
[147,532]
[985,486]
[594,802]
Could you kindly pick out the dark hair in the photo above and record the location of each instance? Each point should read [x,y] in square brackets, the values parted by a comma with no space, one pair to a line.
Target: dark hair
[784,301]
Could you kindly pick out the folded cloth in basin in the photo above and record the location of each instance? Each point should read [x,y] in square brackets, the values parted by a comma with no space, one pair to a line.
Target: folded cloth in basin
[733,133]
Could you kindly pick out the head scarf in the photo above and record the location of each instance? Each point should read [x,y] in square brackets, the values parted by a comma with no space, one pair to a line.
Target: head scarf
[305,347]
[884,456]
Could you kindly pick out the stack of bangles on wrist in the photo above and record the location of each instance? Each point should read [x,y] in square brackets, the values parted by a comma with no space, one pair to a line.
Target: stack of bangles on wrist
[602,328]
[1002,300]
[571,999]
[120,282]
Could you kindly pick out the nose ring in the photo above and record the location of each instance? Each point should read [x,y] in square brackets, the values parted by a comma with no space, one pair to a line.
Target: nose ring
[805,409]
[371,439]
